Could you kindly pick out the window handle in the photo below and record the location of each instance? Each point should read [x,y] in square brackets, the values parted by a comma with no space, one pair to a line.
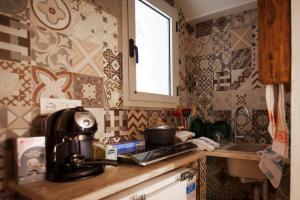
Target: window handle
[133,49]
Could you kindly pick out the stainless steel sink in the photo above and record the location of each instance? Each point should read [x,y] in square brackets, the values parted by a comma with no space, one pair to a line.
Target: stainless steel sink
[244,168]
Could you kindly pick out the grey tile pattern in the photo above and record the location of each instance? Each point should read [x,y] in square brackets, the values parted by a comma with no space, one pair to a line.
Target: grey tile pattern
[222,81]
[241,59]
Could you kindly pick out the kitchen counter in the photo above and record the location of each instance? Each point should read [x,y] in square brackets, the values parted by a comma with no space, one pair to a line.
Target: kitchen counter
[224,153]
[113,180]
[116,179]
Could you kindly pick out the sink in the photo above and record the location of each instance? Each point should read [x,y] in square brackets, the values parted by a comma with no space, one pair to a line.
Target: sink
[251,148]
[244,168]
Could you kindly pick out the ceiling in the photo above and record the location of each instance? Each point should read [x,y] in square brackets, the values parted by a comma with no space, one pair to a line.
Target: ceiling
[200,10]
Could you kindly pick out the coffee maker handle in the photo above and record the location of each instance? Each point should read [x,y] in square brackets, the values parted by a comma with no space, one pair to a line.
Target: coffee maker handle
[54,149]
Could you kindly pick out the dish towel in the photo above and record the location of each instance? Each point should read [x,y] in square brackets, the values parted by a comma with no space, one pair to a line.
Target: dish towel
[184,135]
[271,164]
[277,127]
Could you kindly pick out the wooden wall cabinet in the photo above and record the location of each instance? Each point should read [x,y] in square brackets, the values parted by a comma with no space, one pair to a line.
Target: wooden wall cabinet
[274,41]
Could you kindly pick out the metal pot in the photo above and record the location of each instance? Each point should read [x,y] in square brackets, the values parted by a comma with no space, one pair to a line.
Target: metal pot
[160,135]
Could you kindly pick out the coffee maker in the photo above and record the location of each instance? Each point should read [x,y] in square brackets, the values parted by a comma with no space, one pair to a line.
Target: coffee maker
[69,149]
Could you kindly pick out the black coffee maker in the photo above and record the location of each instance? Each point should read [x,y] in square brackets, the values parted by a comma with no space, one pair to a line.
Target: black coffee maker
[69,149]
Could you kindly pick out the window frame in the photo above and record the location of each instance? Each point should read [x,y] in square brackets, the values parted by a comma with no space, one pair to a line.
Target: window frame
[131,97]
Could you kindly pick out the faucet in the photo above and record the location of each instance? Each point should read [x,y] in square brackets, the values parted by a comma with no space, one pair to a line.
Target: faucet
[242,117]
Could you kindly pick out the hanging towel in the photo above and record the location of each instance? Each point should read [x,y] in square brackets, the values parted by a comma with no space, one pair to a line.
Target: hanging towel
[271,164]
[270,98]
[281,140]
[277,126]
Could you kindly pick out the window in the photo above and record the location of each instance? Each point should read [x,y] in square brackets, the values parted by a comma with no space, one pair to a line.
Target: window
[150,60]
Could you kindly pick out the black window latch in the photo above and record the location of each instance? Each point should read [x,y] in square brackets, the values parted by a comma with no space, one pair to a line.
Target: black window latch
[133,49]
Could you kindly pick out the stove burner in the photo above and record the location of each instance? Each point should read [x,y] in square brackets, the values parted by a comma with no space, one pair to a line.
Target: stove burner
[148,155]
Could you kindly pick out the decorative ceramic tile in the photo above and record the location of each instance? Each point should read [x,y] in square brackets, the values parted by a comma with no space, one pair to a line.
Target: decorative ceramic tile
[221,35]
[260,122]
[115,123]
[241,59]
[114,140]
[204,82]
[14,120]
[17,9]
[113,78]
[89,89]
[99,115]
[50,84]
[87,58]
[256,84]
[243,122]
[14,40]
[16,89]
[221,62]
[95,25]
[240,100]
[196,46]
[205,107]
[112,14]
[137,118]
[256,99]
[15,117]
[204,28]
[202,177]
[53,14]
[241,38]
[222,100]
[222,23]
[254,50]
[113,67]
[51,49]
[241,78]
[222,81]
[158,116]
[244,19]
[223,115]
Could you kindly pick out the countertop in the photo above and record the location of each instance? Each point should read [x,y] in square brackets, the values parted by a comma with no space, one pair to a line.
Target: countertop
[116,179]
[113,180]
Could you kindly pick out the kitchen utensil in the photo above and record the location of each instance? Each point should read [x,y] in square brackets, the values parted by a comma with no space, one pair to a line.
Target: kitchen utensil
[160,135]
[186,112]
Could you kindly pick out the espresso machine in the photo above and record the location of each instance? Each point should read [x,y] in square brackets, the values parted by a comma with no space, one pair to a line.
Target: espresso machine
[69,145]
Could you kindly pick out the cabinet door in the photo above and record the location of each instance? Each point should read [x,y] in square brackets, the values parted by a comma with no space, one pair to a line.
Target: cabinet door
[174,191]
[274,41]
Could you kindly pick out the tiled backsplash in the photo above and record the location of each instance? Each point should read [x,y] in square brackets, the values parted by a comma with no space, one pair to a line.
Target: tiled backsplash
[222,66]
[222,71]
[65,49]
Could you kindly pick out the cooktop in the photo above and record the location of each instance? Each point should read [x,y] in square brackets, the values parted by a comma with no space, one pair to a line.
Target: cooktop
[148,155]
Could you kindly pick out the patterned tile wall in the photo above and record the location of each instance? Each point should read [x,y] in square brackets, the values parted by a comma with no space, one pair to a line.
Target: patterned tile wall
[221,63]
[71,50]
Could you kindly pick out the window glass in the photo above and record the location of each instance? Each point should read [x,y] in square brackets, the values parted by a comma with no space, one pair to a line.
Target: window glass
[153,70]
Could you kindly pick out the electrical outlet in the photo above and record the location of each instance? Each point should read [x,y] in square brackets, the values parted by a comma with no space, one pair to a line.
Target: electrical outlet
[48,105]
